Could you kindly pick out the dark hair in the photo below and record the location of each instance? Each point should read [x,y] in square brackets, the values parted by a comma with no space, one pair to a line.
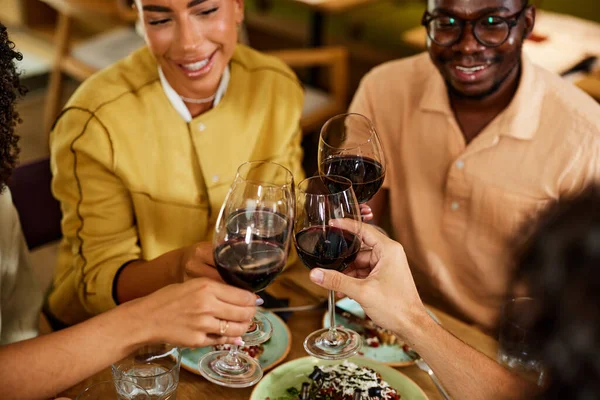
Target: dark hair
[561,267]
[10,90]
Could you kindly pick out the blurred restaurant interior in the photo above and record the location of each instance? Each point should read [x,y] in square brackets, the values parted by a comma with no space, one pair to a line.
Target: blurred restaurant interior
[331,44]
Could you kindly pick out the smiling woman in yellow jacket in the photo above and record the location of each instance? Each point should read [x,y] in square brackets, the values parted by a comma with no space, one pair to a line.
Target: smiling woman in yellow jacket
[145,151]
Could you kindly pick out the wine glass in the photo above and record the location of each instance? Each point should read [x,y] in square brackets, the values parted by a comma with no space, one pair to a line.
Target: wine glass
[251,245]
[270,173]
[349,147]
[321,245]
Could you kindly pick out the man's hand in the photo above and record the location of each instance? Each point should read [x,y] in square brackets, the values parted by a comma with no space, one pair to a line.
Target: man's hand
[379,279]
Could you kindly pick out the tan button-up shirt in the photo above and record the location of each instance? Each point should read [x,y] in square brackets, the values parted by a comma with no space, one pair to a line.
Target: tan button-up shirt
[456,208]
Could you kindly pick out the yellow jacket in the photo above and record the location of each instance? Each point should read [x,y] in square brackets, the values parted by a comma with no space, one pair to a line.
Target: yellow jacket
[136,181]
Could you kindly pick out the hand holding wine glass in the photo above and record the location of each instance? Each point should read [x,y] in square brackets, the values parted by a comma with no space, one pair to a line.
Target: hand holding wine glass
[379,279]
[349,147]
[321,245]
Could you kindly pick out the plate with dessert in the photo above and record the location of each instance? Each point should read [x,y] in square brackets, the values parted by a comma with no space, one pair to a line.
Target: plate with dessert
[268,354]
[356,378]
[379,344]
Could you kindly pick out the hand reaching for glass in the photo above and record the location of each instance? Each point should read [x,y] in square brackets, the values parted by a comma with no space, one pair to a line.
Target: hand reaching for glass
[379,279]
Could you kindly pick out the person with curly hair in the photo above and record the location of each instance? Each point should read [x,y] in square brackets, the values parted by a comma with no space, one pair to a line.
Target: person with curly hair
[189,314]
[557,266]
[18,315]
[10,90]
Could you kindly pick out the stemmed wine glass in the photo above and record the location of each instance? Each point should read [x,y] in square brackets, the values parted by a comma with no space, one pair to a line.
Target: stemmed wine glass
[349,147]
[320,200]
[269,173]
[251,245]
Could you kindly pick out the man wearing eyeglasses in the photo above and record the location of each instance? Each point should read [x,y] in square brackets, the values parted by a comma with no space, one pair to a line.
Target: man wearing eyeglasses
[478,140]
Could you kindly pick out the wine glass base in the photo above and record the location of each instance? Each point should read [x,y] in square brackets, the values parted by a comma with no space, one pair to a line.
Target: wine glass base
[263,329]
[215,368]
[345,344]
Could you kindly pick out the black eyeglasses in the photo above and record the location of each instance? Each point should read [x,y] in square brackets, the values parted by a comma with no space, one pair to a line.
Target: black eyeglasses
[489,30]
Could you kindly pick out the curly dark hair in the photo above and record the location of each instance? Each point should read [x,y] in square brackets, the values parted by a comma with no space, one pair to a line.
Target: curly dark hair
[10,90]
[561,267]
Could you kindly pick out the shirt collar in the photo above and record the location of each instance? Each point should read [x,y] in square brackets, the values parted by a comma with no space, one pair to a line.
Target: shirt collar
[179,104]
[521,117]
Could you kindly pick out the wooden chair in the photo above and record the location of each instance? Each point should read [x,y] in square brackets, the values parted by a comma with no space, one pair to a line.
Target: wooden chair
[320,105]
[65,62]
[78,61]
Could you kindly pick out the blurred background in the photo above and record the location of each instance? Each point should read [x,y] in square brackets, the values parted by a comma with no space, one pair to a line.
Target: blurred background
[330,43]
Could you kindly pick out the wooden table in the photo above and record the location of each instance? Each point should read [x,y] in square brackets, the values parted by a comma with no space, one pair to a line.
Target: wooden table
[194,387]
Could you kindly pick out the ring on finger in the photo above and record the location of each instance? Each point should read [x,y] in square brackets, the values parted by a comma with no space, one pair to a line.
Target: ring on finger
[223,325]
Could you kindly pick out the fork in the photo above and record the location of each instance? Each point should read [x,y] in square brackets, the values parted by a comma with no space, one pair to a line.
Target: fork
[423,366]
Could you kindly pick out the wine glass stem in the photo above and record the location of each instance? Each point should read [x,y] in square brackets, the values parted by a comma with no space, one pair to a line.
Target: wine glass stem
[332,329]
[253,326]
[231,360]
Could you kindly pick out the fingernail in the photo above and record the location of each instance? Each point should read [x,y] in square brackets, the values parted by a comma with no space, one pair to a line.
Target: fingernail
[238,341]
[259,302]
[316,275]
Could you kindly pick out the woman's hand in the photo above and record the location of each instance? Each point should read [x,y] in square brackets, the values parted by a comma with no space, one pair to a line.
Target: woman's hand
[199,312]
[197,261]
[379,279]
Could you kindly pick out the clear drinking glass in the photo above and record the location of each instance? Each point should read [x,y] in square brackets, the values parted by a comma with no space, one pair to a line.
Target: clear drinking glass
[251,245]
[349,147]
[321,245]
[519,349]
[113,390]
[153,367]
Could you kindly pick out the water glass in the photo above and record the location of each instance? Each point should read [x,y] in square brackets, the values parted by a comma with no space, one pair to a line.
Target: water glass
[519,349]
[113,390]
[153,367]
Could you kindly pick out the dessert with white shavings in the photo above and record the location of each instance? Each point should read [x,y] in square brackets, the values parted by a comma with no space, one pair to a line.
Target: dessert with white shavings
[345,381]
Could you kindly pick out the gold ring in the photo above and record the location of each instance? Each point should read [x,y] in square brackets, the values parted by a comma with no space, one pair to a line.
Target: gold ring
[223,328]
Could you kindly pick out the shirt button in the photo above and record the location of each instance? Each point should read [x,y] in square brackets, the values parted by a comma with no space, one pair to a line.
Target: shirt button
[215,178]
[460,164]
[454,206]
[201,127]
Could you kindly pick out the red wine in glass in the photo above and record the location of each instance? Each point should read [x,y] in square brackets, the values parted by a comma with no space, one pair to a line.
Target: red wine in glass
[327,247]
[349,146]
[250,266]
[322,204]
[365,173]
